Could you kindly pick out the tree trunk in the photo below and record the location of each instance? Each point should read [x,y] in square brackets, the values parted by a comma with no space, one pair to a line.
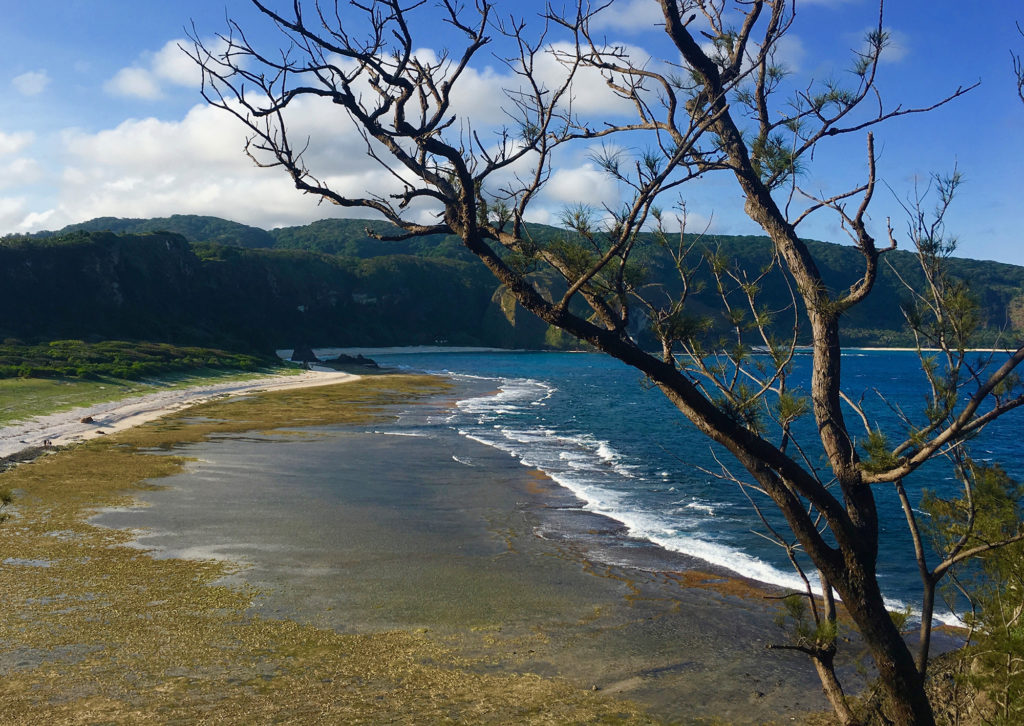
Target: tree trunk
[907,703]
[834,690]
[927,611]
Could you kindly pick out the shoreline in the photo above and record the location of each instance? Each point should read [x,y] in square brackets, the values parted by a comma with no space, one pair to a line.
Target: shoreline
[111,417]
[744,560]
[439,545]
[457,539]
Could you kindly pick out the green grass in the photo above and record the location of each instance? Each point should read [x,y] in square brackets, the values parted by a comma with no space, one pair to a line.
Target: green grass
[128,360]
[24,398]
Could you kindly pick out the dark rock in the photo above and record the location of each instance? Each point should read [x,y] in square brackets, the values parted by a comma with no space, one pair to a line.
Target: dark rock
[352,360]
[304,354]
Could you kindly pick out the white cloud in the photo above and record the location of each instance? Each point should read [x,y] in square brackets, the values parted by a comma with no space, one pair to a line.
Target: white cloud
[31,83]
[196,165]
[13,143]
[585,183]
[12,212]
[481,96]
[172,64]
[590,93]
[134,83]
[147,77]
[790,52]
[897,48]
[696,223]
[19,172]
[712,51]
[36,220]
[629,15]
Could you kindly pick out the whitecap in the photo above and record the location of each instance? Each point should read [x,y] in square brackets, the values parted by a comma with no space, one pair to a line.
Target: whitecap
[700,507]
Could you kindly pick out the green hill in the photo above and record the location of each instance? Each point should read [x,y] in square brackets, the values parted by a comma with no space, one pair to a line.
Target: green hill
[207,281]
[159,287]
[190,226]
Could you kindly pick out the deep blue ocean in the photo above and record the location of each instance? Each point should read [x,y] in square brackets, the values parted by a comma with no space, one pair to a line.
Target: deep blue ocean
[625,452]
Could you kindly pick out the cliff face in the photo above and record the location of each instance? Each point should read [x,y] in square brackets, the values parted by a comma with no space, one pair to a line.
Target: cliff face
[157,286]
[329,284]
[97,285]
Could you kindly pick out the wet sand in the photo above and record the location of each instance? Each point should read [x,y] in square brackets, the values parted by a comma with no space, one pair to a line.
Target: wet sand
[370,529]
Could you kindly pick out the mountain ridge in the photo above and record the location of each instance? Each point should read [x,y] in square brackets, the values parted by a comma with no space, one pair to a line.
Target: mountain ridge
[203,279]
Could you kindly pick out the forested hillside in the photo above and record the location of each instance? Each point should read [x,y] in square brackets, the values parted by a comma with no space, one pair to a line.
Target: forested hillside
[159,287]
[192,227]
[207,281]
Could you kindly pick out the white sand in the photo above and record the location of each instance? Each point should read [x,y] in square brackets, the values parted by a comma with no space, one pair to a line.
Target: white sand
[66,427]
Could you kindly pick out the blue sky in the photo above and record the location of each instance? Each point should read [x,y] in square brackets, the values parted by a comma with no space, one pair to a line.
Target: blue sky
[102,117]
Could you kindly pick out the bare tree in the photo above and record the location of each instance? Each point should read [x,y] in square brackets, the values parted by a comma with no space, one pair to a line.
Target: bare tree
[717,111]
[1018,69]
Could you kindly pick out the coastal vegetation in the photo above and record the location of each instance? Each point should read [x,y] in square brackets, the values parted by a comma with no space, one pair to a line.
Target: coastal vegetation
[987,676]
[724,108]
[63,374]
[97,286]
[117,359]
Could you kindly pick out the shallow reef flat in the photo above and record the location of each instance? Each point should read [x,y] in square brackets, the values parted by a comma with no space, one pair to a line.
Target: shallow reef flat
[285,557]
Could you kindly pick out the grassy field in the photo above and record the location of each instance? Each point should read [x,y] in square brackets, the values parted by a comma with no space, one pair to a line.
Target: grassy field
[24,398]
[42,378]
[123,359]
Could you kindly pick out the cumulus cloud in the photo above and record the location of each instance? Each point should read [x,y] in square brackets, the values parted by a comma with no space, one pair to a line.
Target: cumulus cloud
[675,219]
[629,15]
[31,83]
[590,93]
[790,52]
[483,95]
[173,65]
[897,48]
[139,145]
[147,78]
[37,220]
[13,143]
[19,172]
[134,83]
[787,52]
[196,165]
[585,183]
[12,212]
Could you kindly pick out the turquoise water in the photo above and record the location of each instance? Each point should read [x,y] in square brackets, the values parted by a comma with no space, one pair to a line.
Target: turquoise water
[592,425]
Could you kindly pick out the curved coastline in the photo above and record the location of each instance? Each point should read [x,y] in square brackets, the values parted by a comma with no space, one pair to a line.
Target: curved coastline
[524,611]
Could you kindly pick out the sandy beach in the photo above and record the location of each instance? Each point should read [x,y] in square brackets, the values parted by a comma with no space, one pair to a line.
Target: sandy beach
[361,533]
[67,427]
